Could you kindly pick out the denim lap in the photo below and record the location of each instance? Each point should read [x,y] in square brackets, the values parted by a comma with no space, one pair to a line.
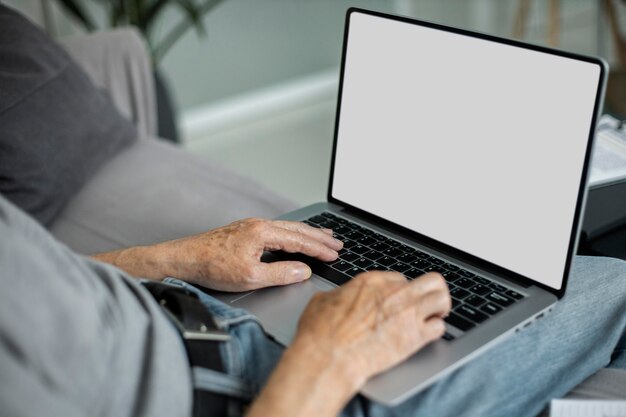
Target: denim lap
[518,377]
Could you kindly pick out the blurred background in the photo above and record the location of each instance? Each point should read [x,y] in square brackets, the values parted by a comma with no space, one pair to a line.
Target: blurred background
[253,83]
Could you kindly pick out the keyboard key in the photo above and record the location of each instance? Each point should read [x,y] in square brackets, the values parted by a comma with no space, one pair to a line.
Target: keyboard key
[363,263]
[348,257]
[451,267]
[480,289]
[498,287]
[459,322]
[367,232]
[475,301]
[378,237]
[491,308]
[499,299]
[400,267]
[482,280]
[514,294]
[407,258]
[317,219]
[328,215]
[341,265]
[435,261]
[356,227]
[471,313]
[387,261]
[434,268]
[421,264]
[310,223]
[354,270]
[465,273]
[464,283]
[347,244]
[328,224]
[455,303]
[377,267]
[360,249]
[341,230]
[373,255]
[380,246]
[450,276]
[407,249]
[392,252]
[447,336]
[351,225]
[421,254]
[459,293]
[413,273]
[393,243]
[366,240]
[353,235]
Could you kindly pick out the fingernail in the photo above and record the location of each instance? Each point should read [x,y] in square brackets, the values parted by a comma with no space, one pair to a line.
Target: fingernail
[329,231]
[301,273]
[338,242]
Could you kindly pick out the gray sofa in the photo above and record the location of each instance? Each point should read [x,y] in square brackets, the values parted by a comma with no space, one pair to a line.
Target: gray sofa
[154,191]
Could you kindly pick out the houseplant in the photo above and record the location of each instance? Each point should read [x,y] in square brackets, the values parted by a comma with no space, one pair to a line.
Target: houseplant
[146,15]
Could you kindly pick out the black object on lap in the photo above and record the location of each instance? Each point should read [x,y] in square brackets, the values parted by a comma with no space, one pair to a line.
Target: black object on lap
[56,128]
[200,336]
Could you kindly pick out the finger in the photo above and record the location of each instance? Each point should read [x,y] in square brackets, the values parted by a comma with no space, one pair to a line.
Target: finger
[429,281]
[282,273]
[293,242]
[433,328]
[411,294]
[319,234]
[434,304]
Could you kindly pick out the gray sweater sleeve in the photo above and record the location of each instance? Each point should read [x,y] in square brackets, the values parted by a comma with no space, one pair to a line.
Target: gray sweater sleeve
[78,337]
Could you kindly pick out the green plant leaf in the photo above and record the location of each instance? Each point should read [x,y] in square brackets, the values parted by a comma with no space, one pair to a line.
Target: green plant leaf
[79,13]
[153,11]
[194,14]
[172,37]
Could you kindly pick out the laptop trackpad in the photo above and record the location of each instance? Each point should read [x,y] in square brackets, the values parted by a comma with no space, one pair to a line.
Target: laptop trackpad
[280,308]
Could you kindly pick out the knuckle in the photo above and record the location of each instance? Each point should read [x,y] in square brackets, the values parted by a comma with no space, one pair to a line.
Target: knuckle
[258,226]
[250,272]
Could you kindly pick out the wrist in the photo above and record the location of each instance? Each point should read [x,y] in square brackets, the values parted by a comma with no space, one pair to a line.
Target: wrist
[319,384]
[139,261]
[330,363]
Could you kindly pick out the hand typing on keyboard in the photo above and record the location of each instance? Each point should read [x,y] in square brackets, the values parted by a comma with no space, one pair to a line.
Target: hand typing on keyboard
[229,258]
[375,321]
[474,298]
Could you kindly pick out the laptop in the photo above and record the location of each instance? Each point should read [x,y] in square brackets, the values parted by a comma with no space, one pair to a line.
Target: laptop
[455,152]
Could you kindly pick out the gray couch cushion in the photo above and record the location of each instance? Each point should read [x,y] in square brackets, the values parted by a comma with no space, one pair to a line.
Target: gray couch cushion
[56,127]
[153,192]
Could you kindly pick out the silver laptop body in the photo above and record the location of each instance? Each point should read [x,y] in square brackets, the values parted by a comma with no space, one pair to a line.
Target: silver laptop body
[472,151]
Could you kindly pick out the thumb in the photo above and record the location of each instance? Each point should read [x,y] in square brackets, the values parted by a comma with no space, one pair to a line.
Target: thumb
[285,272]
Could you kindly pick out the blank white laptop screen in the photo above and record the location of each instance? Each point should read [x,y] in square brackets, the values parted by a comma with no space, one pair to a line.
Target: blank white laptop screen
[476,144]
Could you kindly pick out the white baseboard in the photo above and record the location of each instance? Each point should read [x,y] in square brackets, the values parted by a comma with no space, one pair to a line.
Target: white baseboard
[200,123]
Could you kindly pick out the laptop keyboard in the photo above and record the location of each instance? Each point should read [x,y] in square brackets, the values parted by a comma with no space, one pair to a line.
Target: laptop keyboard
[475,299]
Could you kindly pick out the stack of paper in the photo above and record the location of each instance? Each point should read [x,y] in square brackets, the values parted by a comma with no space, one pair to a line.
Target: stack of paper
[587,408]
[609,158]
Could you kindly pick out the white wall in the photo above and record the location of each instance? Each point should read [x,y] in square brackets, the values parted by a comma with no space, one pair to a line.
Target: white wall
[253,44]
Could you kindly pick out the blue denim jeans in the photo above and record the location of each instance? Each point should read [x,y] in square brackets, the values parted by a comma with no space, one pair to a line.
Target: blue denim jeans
[586,331]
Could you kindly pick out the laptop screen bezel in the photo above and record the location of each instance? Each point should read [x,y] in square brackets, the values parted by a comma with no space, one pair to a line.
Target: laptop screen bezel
[440,246]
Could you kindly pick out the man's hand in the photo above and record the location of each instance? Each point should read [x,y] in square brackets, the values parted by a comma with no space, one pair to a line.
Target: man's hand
[376,320]
[348,335]
[229,258]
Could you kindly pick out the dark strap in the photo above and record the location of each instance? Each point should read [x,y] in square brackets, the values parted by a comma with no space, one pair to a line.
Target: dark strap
[201,338]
